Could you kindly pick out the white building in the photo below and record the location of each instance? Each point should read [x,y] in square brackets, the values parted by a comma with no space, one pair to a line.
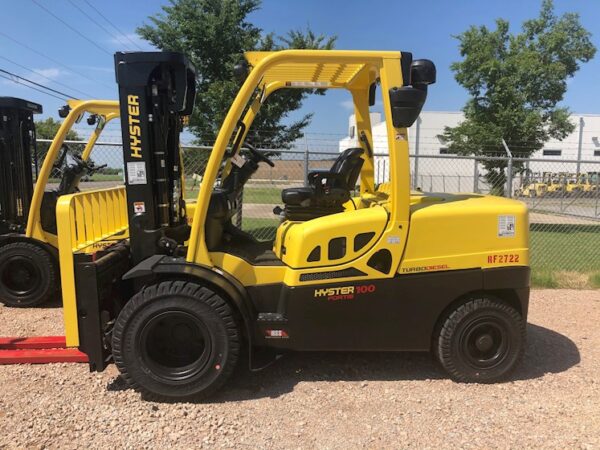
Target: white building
[442,174]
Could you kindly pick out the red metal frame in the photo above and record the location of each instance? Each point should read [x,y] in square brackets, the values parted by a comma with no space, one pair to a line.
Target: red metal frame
[38,350]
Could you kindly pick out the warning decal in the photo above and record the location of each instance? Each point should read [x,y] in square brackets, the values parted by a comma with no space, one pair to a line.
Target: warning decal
[136,173]
[506,226]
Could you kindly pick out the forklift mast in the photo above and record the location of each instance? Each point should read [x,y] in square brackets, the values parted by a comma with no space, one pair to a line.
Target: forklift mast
[156,92]
[17,139]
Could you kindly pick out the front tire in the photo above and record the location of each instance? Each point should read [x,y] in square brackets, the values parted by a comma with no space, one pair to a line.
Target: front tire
[176,341]
[28,275]
[481,341]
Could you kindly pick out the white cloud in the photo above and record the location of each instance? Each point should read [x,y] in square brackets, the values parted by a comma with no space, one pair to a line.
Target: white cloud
[347,104]
[45,74]
[40,76]
[109,69]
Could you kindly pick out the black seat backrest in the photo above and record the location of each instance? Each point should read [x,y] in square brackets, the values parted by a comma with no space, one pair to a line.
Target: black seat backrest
[348,165]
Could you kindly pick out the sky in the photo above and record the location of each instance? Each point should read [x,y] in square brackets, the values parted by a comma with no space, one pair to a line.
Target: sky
[73,54]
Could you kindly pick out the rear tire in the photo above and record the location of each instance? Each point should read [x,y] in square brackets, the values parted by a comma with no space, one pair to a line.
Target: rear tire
[481,341]
[176,341]
[28,275]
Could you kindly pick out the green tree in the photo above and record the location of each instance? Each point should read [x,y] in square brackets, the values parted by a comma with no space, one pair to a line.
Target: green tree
[516,83]
[214,34]
[46,129]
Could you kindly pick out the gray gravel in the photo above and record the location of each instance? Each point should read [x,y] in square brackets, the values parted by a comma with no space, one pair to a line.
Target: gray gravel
[326,400]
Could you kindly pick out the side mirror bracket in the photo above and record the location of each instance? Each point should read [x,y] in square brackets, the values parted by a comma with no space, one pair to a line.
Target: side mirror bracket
[407,101]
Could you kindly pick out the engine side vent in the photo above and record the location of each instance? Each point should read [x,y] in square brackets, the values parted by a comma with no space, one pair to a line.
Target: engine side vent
[381,261]
[344,273]
[337,248]
[362,239]
[315,254]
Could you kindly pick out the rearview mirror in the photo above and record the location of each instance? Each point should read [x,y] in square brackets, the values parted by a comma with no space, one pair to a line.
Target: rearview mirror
[407,101]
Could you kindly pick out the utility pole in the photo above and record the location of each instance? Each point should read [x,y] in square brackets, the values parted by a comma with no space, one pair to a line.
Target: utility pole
[509,169]
[580,146]
[415,181]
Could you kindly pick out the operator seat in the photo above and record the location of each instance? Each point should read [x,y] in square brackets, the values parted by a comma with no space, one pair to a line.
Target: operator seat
[327,191]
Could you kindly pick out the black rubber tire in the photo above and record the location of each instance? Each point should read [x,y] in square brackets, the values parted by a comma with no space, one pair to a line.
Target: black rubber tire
[456,343]
[158,375]
[28,275]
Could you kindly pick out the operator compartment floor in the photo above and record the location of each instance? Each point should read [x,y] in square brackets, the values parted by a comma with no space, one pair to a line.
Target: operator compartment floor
[257,253]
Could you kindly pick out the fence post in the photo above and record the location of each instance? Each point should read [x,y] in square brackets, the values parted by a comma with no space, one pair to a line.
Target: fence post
[306,159]
[417,139]
[509,170]
[240,202]
[475,176]
[580,145]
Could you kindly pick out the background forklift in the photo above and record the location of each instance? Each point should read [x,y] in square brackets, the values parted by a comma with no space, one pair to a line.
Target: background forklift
[173,305]
[29,273]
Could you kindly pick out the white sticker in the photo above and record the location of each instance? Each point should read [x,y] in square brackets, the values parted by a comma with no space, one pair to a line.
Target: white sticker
[506,226]
[393,239]
[238,160]
[136,173]
[139,207]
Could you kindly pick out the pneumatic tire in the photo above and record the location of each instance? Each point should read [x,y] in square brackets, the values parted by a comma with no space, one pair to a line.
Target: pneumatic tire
[481,341]
[28,275]
[176,341]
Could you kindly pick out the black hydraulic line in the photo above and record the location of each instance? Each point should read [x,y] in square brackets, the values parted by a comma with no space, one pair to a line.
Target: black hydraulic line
[31,87]
[91,19]
[38,84]
[33,50]
[111,24]
[44,76]
[66,24]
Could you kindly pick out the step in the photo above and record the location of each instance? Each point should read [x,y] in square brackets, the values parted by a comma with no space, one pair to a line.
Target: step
[271,317]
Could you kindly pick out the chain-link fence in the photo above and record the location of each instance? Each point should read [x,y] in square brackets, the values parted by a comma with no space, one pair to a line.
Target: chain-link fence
[563,195]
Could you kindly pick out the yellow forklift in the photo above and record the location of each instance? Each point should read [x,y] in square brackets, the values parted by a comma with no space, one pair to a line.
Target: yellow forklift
[173,305]
[588,183]
[29,272]
[533,186]
[573,185]
[555,184]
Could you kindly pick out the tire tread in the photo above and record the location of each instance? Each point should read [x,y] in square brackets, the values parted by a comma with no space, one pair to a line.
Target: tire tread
[200,293]
[443,342]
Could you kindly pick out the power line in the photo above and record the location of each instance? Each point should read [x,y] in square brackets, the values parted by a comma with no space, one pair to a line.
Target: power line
[110,33]
[44,76]
[54,60]
[37,84]
[112,25]
[66,24]
[31,87]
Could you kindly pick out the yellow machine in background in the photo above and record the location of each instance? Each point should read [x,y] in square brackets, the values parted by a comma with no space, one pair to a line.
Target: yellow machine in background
[572,185]
[534,185]
[387,269]
[29,272]
[550,184]
[589,183]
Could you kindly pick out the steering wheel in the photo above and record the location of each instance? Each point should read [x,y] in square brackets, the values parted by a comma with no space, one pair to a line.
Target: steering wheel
[258,155]
[59,162]
[89,166]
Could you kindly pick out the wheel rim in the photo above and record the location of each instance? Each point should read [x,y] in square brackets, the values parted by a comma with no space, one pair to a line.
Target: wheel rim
[20,276]
[485,343]
[175,345]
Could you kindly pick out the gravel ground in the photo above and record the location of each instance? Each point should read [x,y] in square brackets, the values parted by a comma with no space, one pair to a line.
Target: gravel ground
[322,400]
